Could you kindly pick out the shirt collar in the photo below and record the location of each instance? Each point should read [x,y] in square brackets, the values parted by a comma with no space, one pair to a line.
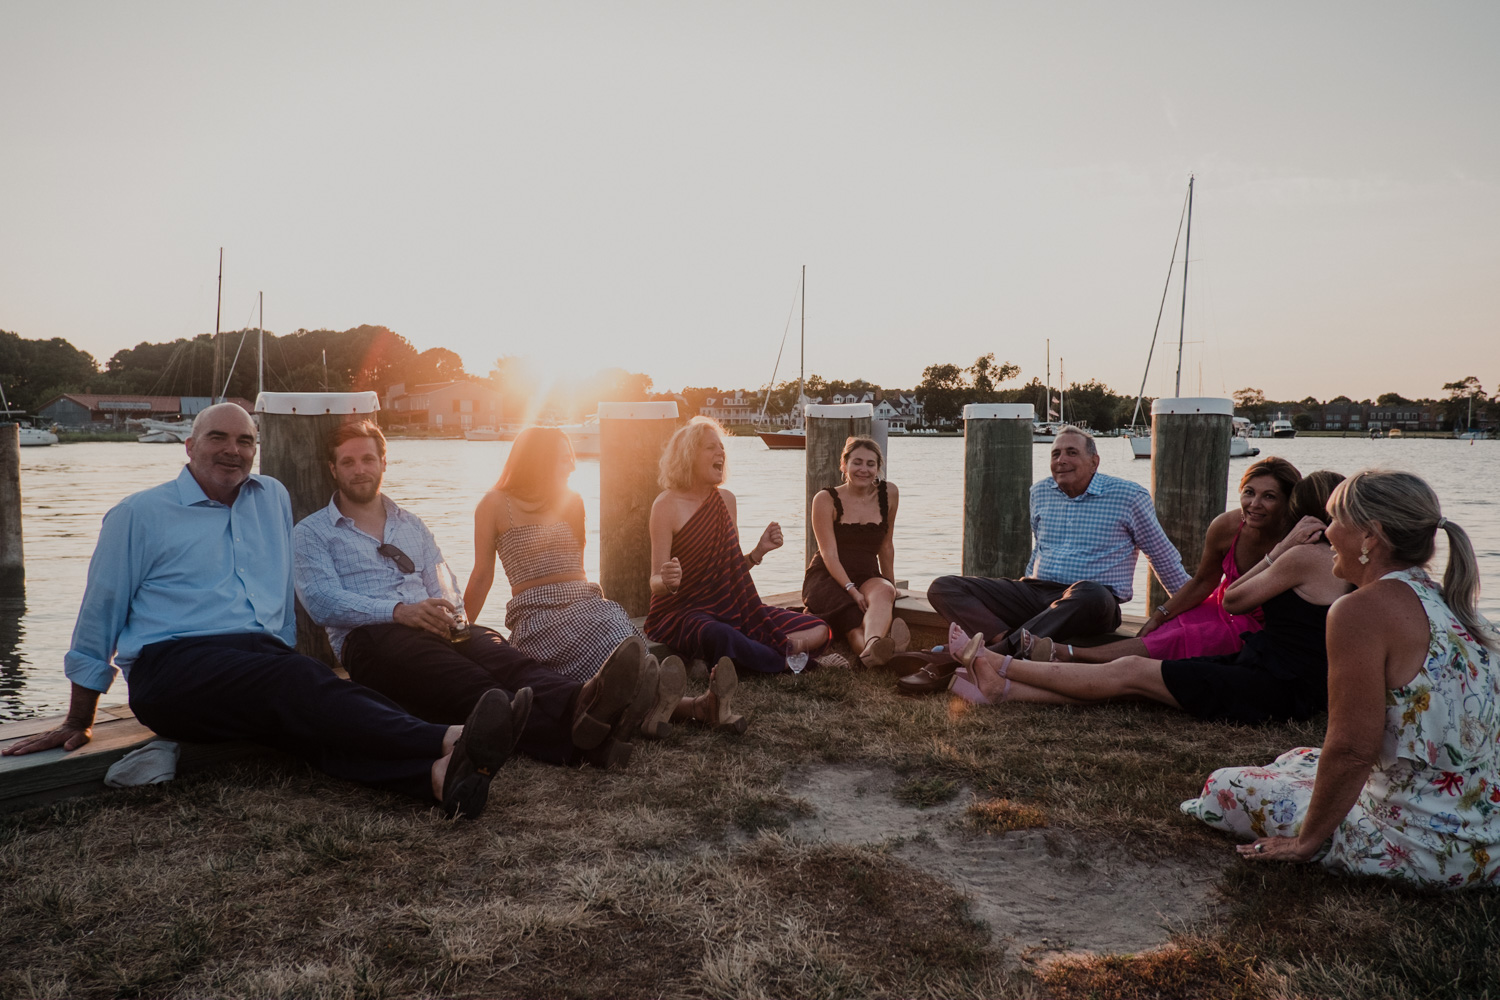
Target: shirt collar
[337,517]
[190,494]
[1095,488]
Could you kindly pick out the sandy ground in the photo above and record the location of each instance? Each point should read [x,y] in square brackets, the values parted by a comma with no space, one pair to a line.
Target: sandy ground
[1040,891]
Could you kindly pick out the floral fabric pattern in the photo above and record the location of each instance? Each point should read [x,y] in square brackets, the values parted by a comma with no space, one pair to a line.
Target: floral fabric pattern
[1430,811]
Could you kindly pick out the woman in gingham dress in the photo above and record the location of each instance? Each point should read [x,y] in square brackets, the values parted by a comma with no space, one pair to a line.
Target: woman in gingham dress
[535,524]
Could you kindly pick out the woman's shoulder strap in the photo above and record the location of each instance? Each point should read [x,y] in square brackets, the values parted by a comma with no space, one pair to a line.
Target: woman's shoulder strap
[838,505]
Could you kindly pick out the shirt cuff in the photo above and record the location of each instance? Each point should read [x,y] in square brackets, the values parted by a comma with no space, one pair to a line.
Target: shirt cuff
[87,672]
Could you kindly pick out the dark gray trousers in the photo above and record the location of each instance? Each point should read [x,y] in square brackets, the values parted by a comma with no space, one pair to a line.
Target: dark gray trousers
[1000,608]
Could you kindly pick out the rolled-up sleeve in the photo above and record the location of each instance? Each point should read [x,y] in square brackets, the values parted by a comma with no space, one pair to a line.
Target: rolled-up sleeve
[115,571]
[1152,540]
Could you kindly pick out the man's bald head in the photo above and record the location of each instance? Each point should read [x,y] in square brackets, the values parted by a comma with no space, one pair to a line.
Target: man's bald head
[221,450]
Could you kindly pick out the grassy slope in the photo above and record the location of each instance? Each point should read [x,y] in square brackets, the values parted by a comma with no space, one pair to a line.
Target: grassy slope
[674,878]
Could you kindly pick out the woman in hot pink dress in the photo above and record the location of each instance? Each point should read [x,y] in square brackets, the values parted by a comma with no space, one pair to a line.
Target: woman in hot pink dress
[1193,622]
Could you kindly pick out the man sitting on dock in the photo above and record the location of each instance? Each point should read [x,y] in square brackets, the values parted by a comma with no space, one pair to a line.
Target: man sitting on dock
[372,574]
[189,595]
[1089,528]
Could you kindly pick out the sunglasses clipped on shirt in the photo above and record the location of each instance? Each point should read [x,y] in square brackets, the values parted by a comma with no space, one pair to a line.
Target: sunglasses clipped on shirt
[401,559]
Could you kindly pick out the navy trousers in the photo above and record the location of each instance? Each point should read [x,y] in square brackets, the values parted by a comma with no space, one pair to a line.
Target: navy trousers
[718,639]
[998,607]
[251,687]
[440,681]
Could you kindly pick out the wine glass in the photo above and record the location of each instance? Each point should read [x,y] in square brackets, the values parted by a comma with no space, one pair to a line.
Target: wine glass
[458,631]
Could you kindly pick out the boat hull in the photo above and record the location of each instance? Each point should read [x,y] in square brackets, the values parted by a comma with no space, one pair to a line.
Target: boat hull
[784,440]
[35,437]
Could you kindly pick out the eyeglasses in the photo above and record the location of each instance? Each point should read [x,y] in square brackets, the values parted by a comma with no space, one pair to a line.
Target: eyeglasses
[401,559]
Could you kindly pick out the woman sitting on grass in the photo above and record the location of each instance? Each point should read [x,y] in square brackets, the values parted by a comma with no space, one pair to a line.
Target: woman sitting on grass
[850,582]
[1407,783]
[534,522]
[1281,673]
[1195,622]
[703,601]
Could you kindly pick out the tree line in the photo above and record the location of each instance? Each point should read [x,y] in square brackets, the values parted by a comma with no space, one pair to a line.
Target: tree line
[32,372]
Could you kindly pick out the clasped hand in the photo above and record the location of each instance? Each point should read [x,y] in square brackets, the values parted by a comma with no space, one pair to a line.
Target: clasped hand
[770,539]
[434,615]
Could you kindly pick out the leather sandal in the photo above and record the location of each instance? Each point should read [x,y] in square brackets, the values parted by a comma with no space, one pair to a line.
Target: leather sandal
[900,635]
[669,688]
[722,683]
[878,651]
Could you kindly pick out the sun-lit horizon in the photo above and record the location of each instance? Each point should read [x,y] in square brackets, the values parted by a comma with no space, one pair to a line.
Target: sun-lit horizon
[639,185]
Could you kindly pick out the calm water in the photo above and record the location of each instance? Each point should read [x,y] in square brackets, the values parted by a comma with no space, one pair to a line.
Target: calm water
[67,489]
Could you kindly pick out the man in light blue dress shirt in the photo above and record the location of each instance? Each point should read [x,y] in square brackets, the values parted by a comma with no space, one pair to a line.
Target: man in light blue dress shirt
[1089,529]
[372,574]
[189,595]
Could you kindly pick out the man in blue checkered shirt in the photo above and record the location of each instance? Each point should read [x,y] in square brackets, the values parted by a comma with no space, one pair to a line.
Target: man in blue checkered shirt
[1088,529]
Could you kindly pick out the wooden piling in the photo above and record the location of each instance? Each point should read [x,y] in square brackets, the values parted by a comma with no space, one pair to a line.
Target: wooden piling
[12,560]
[997,489]
[828,426]
[632,437]
[1189,474]
[294,429]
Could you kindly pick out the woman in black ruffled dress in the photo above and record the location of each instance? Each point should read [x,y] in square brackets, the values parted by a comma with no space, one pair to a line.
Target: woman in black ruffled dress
[850,582]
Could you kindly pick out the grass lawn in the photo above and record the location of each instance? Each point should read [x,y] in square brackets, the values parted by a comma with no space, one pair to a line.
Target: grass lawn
[680,877]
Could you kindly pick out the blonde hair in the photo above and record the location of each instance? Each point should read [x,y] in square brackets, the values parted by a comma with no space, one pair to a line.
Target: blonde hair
[677,457]
[1402,509]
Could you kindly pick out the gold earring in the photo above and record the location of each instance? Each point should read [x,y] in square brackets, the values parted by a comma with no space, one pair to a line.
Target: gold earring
[1364,553]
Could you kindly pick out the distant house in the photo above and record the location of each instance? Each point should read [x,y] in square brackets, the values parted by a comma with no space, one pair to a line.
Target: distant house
[442,406]
[729,410]
[1407,416]
[111,411]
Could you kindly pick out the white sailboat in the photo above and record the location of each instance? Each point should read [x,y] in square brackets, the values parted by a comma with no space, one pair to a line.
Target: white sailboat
[789,438]
[1139,433]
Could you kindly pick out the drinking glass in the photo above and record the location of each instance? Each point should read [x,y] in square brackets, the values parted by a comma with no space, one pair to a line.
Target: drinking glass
[458,631]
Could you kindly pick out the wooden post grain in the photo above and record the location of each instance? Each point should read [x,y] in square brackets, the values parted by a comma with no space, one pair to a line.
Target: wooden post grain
[294,429]
[1189,474]
[12,559]
[997,489]
[828,426]
[632,437]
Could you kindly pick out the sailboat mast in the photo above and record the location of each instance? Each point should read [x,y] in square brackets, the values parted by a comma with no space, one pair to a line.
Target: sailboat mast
[260,349]
[802,349]
[1187,251]
[218,347]
[1048,411]
[1062,392]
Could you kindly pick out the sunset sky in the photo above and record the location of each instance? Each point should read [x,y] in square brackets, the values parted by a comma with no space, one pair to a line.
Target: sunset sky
[637,184]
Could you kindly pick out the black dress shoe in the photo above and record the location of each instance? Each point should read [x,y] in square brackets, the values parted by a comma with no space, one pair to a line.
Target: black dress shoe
[482,747]
[934,673]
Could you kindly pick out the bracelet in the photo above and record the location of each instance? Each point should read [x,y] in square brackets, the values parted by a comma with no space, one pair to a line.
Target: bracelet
[850,585]
[1269,559]
[750,558]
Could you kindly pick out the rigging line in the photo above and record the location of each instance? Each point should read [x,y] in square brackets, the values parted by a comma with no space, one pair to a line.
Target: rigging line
[784,334]
[1159,310]
[228,378]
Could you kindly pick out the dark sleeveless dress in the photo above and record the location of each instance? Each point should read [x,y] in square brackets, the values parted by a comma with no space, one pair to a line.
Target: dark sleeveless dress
[1281,673]
[859,552]
[716,594]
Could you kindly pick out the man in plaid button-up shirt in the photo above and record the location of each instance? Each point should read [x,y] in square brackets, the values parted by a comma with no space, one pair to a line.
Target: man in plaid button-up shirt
[1088,528]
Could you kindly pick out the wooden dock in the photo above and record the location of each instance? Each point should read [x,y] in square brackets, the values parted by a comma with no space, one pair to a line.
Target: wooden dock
[56,774]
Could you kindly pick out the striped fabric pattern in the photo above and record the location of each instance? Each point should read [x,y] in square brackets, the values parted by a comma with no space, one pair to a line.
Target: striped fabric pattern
[717,587]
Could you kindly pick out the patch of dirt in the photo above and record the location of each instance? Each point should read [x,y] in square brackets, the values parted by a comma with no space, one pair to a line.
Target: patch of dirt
[1040,891]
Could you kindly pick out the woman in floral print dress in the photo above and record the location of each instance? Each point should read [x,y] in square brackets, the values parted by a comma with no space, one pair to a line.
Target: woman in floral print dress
[1407,783]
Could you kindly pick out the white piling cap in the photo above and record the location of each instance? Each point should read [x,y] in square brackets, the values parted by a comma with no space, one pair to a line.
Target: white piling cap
[999,411]
[1194,404]
[638,411]
[840,410]
[316,403]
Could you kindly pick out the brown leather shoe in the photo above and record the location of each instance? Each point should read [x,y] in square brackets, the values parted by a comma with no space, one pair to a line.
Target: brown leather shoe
[933,675]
